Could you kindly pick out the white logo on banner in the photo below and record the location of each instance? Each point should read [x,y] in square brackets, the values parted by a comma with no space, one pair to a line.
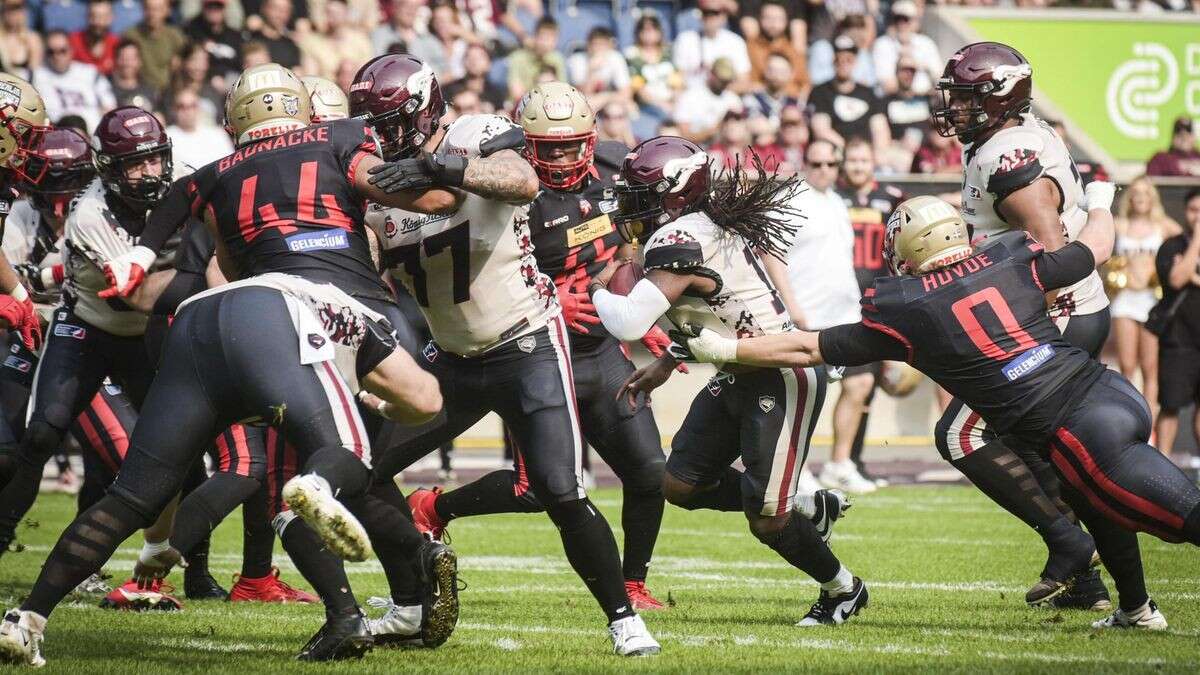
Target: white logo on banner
[1139,87]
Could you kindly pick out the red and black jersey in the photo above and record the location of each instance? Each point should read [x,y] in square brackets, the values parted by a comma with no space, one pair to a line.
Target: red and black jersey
[287,204]
[573,234]
[979,328]
[869,214]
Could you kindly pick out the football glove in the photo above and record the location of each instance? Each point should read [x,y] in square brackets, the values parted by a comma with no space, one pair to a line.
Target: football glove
[657,343]
[127,271]
[17,311]
[712,347]
[418,173]
[1099,194]
[577,310]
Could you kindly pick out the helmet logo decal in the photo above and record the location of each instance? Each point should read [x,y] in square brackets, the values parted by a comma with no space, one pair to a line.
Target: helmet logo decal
[291,105]
[365,84]
[1008,76]
[10,95]
[558,108]
[134,121]
[680,170]
[419,85]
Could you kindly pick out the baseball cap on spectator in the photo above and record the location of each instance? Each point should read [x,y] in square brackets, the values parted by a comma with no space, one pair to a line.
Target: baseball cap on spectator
[905,8]
[722,70]
[844,43]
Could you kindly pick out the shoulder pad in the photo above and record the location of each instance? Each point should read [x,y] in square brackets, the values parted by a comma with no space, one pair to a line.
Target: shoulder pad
[1010,160]
[674,247]
[611,154]
[469,135]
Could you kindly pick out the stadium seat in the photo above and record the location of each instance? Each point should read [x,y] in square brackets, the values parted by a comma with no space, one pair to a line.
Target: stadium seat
[126,15]
[688,19]
[576,21]
[68,15]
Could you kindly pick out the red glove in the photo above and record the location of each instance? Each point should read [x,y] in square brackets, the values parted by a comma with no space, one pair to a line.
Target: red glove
[577,310]
[20,316]
[135,278]
[656,342]
[127,271]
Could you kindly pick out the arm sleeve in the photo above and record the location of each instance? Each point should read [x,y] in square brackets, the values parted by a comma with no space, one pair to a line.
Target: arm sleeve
[1069,264]
[854,344]
[628,317]
[170,215]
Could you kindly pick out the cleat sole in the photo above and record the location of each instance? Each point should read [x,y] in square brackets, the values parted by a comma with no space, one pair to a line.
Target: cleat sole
[443,611]
[333,522]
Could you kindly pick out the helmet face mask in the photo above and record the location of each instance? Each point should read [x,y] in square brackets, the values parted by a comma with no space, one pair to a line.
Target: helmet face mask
[400,98]
[661,179]
[560,134]
[58,166]
[983,85]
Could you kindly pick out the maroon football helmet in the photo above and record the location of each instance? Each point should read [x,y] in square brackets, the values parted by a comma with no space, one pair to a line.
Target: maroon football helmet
[399,97]
[983,85]
[124,137]
[661,179]
[58,165]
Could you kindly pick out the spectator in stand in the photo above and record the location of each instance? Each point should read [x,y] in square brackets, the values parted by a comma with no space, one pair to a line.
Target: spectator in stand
[773,39]
[600,72]
[702,107]
[21,49]
[614,124]
[938,154]
[518,18]
[402,26]
[793,138]
[749,19]
[446,26]
[779,88]
[821,55]
[823,292]
[870,205]
[361,15]
[696,52]
[345,74]
[126,78]
[158,41]
[96,43]
[462,102]
[903,37]
[254,53]
[654,79]
[1142,226]
[194,140]
[527,63]
[477,63]
[822,18]
[907,111]
[211,29]
[336,40]
[731,145]
[189,72]
[1178,265]
[68,86]
[274,34]
[1182,158]
[842,108]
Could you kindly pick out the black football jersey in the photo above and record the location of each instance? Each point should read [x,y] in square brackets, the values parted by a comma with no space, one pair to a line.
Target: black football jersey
[286,204]
[868,216]
[573,233]
[979,328]
[196,247]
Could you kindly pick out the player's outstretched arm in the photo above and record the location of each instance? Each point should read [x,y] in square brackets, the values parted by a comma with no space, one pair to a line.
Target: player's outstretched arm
[799,349]
[408,393]
[628,317]
[503,176]
[1099,232]
[437,200]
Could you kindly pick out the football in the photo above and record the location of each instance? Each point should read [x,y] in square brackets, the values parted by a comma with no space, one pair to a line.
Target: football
[626,278]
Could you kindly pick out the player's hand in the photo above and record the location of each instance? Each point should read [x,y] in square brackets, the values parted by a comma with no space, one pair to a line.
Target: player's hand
[151,567]
[19,315]
[1099,194]
[127,271]
[577,310]
[712,347]
[657,343]
[609,270]
[417,173]
[643,381]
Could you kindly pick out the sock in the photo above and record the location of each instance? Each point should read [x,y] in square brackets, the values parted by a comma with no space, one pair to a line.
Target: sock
[641,518]
[592,551]
[841,583]
[444,453]
[83,548]
[493,493]
[203,509]
[403,581]
[395,540]
[321,569]
[798,543]
[197,554]
[725,496]
[806,505]
[1007,481]
[344,472]
[258,539]
[1048,481]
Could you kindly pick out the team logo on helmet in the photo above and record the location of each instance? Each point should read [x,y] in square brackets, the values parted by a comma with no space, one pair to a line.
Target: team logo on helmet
[680,170]
[291,105]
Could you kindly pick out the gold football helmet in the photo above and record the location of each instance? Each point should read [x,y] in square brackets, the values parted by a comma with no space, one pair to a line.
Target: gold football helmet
[329,102]
[560,133]
[22,111]
[924,233]
[265,101]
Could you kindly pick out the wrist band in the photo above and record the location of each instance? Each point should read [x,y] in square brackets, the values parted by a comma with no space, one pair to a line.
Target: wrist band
[151,549]
[19,293]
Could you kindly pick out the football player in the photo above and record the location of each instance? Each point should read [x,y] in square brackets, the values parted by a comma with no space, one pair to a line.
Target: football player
[709,251]
[500,342]
[329,102]
[1018,174]
[974,320]
[573,238]
[284,344]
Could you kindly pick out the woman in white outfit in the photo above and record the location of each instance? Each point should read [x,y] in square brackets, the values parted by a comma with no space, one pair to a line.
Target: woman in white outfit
[1142,226]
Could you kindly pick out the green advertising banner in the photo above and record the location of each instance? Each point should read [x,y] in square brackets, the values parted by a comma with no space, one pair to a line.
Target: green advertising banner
[1122,82]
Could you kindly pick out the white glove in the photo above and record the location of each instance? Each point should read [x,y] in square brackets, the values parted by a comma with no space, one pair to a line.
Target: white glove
[712,347]
[127,271]
[1099,195]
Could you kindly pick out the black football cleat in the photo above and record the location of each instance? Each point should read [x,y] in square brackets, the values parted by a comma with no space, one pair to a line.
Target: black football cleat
[1064,563]
[831,610]
[1087,592]
[439,572]
[202,586]
[343,636]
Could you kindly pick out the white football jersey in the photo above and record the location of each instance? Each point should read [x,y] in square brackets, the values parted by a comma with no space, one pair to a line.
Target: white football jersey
[26,241]
[745,303]
[1011,159]
[472,272]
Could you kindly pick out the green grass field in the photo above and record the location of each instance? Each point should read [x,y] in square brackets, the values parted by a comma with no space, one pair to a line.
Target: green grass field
[947,573]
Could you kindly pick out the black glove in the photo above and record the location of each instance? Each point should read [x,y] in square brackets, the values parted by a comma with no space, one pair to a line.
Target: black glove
[31,274]
[678,348]
[425,171]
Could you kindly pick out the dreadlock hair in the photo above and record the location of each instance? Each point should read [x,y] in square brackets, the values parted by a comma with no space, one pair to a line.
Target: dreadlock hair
[756,207]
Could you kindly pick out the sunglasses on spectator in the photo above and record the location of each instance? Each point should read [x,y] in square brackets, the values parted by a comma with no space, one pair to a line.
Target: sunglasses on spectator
[903,19]
[711,12]
[791,123]
[823,165]
[59,50]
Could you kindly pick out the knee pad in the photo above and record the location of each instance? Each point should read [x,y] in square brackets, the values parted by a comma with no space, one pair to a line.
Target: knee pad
[40,441]
[766,529]
[941,433]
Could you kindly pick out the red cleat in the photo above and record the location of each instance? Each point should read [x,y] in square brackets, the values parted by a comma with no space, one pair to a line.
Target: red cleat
[267,589]
[129,597]
[640,598]
[425,517]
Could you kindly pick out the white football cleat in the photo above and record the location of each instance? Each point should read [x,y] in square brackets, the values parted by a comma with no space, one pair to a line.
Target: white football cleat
[845,476]
[310,497]
[1146,617]
[630,637]
[21,638]
[400,624]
